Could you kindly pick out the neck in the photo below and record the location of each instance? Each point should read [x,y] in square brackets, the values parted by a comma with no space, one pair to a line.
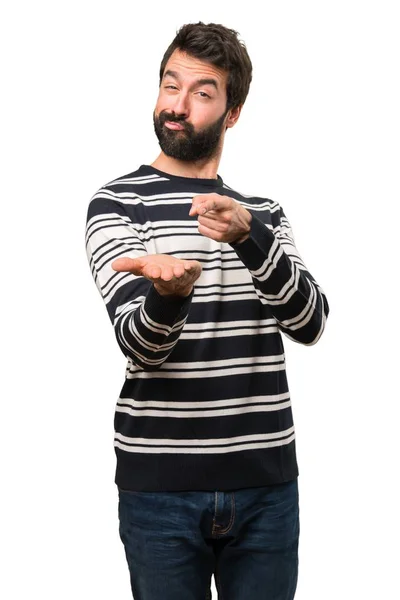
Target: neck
[202,169]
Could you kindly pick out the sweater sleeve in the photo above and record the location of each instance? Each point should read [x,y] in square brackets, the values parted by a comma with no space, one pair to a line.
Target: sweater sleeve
[282,280]
[147,325]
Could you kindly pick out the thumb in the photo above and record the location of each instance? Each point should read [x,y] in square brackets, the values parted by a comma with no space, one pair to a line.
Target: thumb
[197,201]
[133,265]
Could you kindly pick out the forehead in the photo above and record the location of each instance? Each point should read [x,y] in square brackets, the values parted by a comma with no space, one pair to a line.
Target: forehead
[190,68]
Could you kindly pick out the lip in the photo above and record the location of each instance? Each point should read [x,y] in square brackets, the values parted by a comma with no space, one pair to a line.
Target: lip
[174,125]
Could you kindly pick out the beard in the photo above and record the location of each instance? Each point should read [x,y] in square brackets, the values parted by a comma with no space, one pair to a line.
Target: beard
[187,144]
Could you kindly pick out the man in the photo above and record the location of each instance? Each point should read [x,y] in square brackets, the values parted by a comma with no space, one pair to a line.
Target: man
[198,281]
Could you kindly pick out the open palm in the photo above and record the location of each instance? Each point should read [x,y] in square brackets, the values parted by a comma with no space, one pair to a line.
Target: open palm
[170,275]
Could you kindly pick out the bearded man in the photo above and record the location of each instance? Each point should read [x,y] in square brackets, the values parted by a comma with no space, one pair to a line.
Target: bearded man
[199,282]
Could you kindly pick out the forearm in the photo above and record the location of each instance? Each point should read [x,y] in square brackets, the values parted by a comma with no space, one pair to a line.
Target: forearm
[294,298]
[149,332]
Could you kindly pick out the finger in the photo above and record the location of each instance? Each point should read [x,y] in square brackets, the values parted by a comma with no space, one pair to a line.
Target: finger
[193,267]
[218,236]
[178,270]
[222,216]
[200,208]
[199,200]
[213,223]
[132,265]
[216,203]
[167,272]
[152,271]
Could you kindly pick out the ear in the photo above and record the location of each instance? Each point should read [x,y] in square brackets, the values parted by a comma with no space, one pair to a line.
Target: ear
[233,115]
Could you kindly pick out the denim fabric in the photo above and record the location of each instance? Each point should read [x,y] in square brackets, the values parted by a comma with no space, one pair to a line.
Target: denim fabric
[248,538]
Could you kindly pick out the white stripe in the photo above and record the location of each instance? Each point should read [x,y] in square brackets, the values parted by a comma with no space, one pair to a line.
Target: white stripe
[228,329]
[163,225]
[234,273]
[128,307]
[204,450]
[241,448]
[227,333]
[264,206]
[141,179]
[124,341]
[287,291]
[143,182]
[210,364]
[228,324]
[120,281]
[159,327]
[224,288]
[153,226]
[254,437]
[145,343]
[218,298]
[102,220]
[268,399]
[126,196]
[152,325]
[260,404]
[206,413]
[189,229]
[173,199]
[148,361]
[270,263]
[113,284]
[163,374]
[122,307]
[305,314]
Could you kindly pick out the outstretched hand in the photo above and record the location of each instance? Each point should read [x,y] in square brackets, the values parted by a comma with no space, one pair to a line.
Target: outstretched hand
[171,276]
[221,218]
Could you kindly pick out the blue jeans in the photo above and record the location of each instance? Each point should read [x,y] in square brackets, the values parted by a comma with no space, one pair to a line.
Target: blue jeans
[248,538]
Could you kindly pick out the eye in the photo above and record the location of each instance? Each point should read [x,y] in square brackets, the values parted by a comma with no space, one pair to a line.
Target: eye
[204,95]
[170,87]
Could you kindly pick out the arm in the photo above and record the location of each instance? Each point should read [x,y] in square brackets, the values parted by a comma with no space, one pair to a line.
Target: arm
[279,275]
[147,302]
[283,282]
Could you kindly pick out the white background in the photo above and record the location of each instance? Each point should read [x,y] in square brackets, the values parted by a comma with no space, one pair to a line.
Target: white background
[319,133]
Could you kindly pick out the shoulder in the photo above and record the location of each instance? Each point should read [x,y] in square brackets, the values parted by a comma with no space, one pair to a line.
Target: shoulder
[130,189]
[140,181]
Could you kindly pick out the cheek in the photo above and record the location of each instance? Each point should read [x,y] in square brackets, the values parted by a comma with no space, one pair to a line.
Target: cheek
[163,103]
[157,108]
[204,117]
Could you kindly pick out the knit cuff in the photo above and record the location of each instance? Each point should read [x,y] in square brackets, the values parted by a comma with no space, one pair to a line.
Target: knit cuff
[166,309]
[255,249]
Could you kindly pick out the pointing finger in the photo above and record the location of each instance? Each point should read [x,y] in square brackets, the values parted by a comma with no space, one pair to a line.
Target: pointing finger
[197,201]
[216,203]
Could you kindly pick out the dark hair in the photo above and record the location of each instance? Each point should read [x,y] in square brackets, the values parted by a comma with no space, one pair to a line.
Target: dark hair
[222,48]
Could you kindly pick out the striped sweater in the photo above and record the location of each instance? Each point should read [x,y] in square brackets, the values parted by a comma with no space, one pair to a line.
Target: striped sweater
[205,403]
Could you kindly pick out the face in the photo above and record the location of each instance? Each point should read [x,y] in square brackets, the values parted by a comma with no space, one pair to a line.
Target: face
[190,115]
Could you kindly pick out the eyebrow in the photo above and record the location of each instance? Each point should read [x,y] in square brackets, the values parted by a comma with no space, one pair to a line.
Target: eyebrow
[204,81]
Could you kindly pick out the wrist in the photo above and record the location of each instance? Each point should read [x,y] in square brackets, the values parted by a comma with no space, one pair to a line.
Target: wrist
[242,239]
[172,295]
[247,217]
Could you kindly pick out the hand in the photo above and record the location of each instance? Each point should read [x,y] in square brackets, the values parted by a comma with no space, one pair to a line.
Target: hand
[221,218]
[171,276]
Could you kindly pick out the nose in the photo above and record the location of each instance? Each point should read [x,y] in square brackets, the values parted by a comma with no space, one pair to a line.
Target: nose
[180,106]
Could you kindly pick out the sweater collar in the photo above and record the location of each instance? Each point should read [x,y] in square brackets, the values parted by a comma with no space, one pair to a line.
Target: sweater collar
[149,170]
